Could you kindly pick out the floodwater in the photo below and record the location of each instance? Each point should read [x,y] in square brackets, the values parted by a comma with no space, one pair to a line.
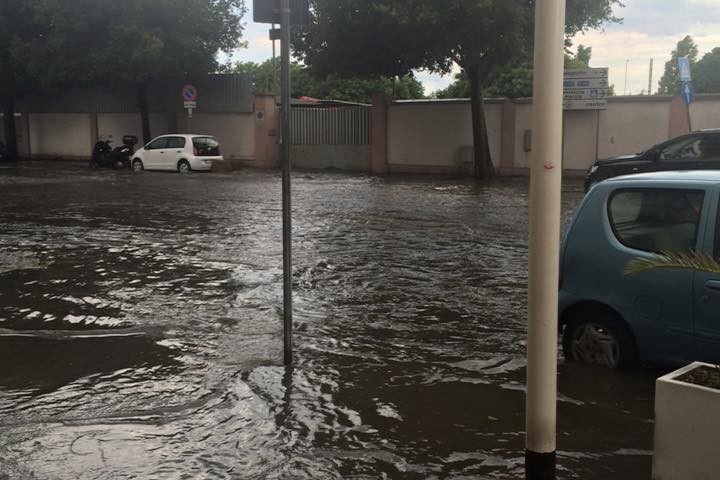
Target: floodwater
[141,332]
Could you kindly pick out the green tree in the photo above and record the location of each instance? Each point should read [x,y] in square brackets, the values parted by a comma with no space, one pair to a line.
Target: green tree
[46,44]
[304,84]
[460,88]
[706,74]
[41,46]
[579,60]
[361,90]
[264,76]
[148,40]
[393,37]
[670,81]
[513,81]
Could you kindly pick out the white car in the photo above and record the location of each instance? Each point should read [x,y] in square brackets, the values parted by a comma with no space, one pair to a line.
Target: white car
[181,153]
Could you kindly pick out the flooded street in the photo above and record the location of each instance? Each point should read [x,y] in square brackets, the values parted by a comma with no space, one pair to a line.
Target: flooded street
[141,332]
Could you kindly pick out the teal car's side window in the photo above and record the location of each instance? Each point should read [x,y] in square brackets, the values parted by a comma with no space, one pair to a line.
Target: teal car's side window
[656,219]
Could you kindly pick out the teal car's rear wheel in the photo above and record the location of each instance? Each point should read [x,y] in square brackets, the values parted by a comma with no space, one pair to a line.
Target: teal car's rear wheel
[598,338]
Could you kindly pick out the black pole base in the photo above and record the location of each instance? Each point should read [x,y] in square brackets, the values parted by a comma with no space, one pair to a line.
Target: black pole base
[539,466]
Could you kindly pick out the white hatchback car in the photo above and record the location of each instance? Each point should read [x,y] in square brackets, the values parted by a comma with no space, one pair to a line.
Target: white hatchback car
[181,153]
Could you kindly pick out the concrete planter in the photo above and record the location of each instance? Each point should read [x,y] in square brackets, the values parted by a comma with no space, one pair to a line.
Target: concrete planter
[687,429]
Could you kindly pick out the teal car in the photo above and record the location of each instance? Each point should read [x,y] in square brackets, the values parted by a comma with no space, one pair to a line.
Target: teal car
[663,316]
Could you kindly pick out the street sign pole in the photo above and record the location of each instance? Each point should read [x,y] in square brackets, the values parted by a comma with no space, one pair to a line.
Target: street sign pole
[688,97]
[686,88]
[544,255]
[287,212]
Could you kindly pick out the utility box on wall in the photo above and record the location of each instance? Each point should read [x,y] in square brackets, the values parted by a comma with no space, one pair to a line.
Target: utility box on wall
[467,161]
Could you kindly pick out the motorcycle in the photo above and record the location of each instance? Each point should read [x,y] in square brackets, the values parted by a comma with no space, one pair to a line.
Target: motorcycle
[105,156]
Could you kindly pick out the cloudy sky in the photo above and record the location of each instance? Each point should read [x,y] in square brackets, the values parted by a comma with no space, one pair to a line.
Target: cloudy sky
[651,29]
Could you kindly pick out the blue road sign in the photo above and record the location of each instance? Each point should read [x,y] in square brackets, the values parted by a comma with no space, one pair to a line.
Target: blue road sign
[687,92]
[684,69]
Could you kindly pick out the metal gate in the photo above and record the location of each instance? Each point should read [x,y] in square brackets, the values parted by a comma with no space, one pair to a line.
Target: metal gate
[331,125]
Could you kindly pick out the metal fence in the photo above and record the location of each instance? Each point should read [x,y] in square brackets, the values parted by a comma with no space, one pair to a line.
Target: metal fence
[342,125]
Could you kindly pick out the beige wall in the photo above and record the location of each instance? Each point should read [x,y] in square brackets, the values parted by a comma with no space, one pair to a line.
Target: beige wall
[580,130]
[60,135]
[235,132]
[348,158]
[523,123]
[428,134]
[422,137]
[71,135]
[114,126]
[633,126]
[705,113]
[624,128]
[493,117]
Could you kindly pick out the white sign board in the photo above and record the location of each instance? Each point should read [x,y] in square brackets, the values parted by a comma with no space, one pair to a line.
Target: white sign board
[585,104]
[192,105]
[585,89]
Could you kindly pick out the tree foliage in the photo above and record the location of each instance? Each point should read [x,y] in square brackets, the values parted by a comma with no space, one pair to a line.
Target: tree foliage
[706,75]
[45,44]
[147,40]
[144,40]
[41,46]
[393,37]
[513,81]
[670,81]
[265,79]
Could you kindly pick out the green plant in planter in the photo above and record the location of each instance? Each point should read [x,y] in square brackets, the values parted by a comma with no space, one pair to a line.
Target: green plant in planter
[671,260]
[697,261]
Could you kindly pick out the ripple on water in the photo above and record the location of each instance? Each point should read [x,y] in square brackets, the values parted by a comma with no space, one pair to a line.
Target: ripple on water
[141,336]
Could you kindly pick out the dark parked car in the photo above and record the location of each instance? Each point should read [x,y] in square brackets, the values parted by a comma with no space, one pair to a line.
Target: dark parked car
[696,151]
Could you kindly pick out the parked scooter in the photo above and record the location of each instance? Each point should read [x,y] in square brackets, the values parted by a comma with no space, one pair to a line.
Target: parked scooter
[104,156]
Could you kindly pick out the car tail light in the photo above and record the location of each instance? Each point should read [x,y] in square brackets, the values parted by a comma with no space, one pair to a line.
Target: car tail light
[195,151]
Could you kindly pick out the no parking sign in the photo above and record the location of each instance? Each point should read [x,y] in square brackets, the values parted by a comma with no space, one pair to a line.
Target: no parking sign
[189,93]
[189,96]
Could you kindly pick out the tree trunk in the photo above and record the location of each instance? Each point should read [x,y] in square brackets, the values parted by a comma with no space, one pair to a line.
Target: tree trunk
[142,99]
[484,168]
[11,146]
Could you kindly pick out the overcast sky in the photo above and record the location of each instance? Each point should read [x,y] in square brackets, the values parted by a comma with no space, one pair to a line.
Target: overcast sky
[651,29]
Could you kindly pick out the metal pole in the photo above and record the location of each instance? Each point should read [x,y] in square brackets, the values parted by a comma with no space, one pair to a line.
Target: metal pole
[545,190]
[274,68]
[287,208]
[651,77]
[597,136]
[273,42]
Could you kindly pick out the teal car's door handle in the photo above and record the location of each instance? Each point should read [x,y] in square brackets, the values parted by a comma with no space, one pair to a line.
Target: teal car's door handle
[713,284]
